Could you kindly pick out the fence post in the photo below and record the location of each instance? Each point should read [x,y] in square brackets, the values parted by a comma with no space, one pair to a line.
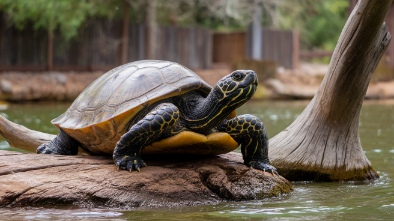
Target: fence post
[257,34]
[125,34]
[151,29]
[50,51]
[296,49]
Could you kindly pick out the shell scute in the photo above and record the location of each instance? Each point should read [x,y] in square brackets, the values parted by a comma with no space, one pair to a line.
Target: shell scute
[112,100]
[169,76]
[136,85]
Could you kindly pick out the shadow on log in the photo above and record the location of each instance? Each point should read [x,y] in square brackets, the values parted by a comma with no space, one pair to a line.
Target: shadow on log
[323,143]
[92,181]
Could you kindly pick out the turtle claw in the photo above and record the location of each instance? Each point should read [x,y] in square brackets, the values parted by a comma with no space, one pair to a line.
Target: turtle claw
[129,163]
[46,148]
[274,173]
[264,167]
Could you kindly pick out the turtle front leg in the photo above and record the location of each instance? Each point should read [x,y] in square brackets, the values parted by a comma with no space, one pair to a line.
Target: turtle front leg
[249,131]
[156,124]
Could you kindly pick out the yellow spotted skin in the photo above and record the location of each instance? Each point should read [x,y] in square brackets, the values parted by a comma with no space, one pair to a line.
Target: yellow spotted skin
[158,123]
[250,132]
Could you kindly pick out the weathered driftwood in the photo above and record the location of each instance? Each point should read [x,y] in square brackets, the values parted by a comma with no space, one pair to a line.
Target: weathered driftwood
[50,180]
[323,142]
[20,136]
[92,181]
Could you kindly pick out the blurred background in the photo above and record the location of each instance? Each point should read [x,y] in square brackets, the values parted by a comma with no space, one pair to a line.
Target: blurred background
[69,43]
[50,50]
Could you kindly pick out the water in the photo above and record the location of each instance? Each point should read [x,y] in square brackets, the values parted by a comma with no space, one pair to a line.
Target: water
[309,201]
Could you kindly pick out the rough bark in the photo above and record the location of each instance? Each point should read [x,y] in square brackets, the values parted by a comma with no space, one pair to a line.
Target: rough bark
[92,181]
[323,143]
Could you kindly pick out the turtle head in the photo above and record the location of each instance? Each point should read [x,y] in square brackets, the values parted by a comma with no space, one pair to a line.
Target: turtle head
[236,88]
[227,95]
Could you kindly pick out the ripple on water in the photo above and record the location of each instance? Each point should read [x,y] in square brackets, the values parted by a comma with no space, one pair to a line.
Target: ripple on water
[273,117]
[34,214]
[4,145]
[96,214]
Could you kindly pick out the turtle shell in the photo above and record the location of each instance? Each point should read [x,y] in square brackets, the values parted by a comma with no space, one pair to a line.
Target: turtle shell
[101,113]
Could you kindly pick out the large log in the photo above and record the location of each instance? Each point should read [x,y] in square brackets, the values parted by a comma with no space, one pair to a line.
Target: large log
[92,181]
[50,180]
[323,143]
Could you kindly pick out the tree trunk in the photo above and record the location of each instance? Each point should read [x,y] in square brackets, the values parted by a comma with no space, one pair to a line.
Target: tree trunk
[323,143]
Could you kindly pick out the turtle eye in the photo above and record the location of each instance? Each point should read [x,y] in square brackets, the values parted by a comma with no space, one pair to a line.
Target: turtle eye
[238,76]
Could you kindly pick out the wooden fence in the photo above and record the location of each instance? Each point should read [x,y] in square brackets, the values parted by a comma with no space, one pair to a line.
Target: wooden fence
[229,48]
[281,47]
[98,46]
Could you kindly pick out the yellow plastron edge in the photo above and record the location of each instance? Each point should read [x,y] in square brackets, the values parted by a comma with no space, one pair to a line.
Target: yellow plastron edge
[188,142]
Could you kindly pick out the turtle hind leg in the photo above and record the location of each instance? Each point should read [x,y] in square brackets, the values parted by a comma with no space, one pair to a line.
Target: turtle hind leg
[249,131]
[63,144]
[159,122]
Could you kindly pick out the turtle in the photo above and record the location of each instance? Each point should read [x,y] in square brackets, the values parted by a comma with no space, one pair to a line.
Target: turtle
[161,107]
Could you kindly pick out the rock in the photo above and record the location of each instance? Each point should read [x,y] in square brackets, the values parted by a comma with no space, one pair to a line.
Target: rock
[55,86]
[380,90]
[92,181]
[5,86]
[285,90]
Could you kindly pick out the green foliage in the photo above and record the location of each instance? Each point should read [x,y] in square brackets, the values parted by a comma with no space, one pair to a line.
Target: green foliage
[212,14]
[65,15]
[319,22]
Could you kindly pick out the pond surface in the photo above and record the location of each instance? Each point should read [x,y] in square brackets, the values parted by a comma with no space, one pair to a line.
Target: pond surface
[309,201]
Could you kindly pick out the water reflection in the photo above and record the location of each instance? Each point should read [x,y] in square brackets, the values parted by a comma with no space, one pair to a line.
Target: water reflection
[58,214]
